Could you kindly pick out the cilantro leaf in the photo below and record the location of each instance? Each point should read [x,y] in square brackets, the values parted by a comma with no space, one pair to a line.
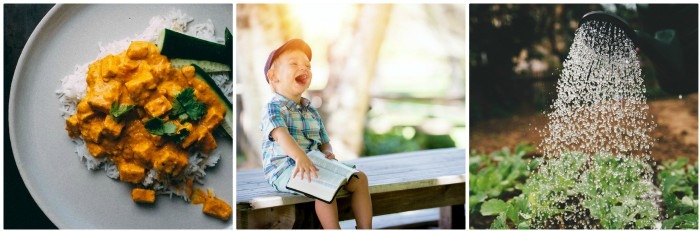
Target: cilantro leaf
[159,127]
[183,116]
[186,106]
[177,109]
[117,112]
[180,136]
[196,111]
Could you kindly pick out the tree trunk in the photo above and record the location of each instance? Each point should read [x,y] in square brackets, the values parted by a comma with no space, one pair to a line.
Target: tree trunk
[445,19]
[260,29]
[352,61]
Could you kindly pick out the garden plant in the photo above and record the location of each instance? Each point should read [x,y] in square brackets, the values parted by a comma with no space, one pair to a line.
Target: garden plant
[624,199]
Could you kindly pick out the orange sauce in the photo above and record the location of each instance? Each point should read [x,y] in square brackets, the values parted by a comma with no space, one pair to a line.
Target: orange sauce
[140,76]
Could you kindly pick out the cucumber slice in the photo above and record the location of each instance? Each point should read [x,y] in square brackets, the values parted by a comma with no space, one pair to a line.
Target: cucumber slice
[207,66]
[227,124]
[228,42]
[178,45]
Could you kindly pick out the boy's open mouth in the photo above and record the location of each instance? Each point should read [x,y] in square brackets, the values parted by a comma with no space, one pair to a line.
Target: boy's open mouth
[301,79]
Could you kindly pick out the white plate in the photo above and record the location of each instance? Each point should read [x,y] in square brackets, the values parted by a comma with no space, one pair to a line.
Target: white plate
[69,194]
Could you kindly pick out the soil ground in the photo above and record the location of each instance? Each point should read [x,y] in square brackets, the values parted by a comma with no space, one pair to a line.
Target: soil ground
[676,134]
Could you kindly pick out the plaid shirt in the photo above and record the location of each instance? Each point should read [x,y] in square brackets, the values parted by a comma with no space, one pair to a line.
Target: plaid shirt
[304,125]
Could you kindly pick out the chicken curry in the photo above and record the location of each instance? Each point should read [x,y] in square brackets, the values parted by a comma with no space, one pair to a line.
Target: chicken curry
[129,116]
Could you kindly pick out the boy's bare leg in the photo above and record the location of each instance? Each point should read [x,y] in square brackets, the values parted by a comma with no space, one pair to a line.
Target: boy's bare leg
[361,201]
[327,214]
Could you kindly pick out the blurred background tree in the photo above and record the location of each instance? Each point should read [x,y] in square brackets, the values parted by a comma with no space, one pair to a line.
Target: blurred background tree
[516,51]
[386,78]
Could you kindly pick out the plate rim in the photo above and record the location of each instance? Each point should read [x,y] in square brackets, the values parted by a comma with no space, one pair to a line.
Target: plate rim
[29,45]
[12,118]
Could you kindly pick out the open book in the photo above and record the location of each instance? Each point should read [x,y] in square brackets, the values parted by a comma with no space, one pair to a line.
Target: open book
[332,175]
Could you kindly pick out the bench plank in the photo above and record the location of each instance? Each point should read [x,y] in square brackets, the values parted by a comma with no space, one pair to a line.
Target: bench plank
[386,172]
[411,219]
[407,200]
[398,182]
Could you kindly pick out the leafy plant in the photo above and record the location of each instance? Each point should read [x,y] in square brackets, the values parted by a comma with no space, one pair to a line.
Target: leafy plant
[395,141]
[677,183]
[497,174]
[515,211]
[602,191]
[576,190]
[617,191]
[390,142]
[552,185]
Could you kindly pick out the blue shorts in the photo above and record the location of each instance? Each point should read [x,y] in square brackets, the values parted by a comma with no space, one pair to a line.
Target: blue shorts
[280,184]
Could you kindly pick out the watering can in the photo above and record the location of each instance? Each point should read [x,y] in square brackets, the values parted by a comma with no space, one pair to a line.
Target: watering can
[663,49]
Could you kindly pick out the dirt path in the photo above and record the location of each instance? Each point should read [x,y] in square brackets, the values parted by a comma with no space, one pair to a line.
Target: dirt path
[676,133]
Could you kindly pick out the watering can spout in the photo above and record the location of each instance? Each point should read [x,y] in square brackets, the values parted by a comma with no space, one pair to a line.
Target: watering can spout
[663,49]
[612,19]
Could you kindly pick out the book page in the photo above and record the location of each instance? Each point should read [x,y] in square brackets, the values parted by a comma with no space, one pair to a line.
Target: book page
[331,176]
[320,161]
[323,188]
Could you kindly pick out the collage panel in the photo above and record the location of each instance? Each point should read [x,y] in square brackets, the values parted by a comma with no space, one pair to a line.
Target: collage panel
[583,116]
[350,116]
[118,116]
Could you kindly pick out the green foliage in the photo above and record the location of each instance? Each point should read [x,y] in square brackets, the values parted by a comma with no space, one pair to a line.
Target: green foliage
[499,173]
[117,112]
[500,222]
[616,193]
[493,207]
[159,127]
[515,210]
[395,142]
[552,185]
[390,142]
[436,141]
[186,106]
[610,190]
[677,183]
[687,221]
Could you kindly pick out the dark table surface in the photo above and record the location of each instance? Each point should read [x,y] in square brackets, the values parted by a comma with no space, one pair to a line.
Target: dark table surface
[20,211]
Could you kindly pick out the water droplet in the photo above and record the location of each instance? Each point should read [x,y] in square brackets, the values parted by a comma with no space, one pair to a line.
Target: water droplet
[600,111]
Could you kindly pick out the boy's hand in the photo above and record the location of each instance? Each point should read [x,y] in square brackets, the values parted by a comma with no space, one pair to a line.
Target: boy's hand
[305,166]
[289,146]
[329,155]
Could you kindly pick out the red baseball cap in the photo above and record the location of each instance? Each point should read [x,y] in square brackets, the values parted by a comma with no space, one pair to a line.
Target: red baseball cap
[293,44]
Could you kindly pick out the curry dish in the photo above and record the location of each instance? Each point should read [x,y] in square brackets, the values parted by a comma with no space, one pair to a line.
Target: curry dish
[145,80]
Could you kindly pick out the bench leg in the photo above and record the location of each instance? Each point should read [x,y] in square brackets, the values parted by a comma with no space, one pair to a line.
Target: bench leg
[452,217]
[300,216]
[269,218]
[306,217]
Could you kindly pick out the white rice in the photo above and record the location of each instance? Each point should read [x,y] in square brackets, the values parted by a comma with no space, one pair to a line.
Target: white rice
[73,88]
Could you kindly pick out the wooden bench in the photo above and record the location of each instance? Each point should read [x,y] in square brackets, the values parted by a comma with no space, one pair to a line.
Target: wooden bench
[417,219]
[398,182]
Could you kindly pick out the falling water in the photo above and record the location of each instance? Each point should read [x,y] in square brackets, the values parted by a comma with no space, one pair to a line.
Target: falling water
[600,109]
[601,105]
